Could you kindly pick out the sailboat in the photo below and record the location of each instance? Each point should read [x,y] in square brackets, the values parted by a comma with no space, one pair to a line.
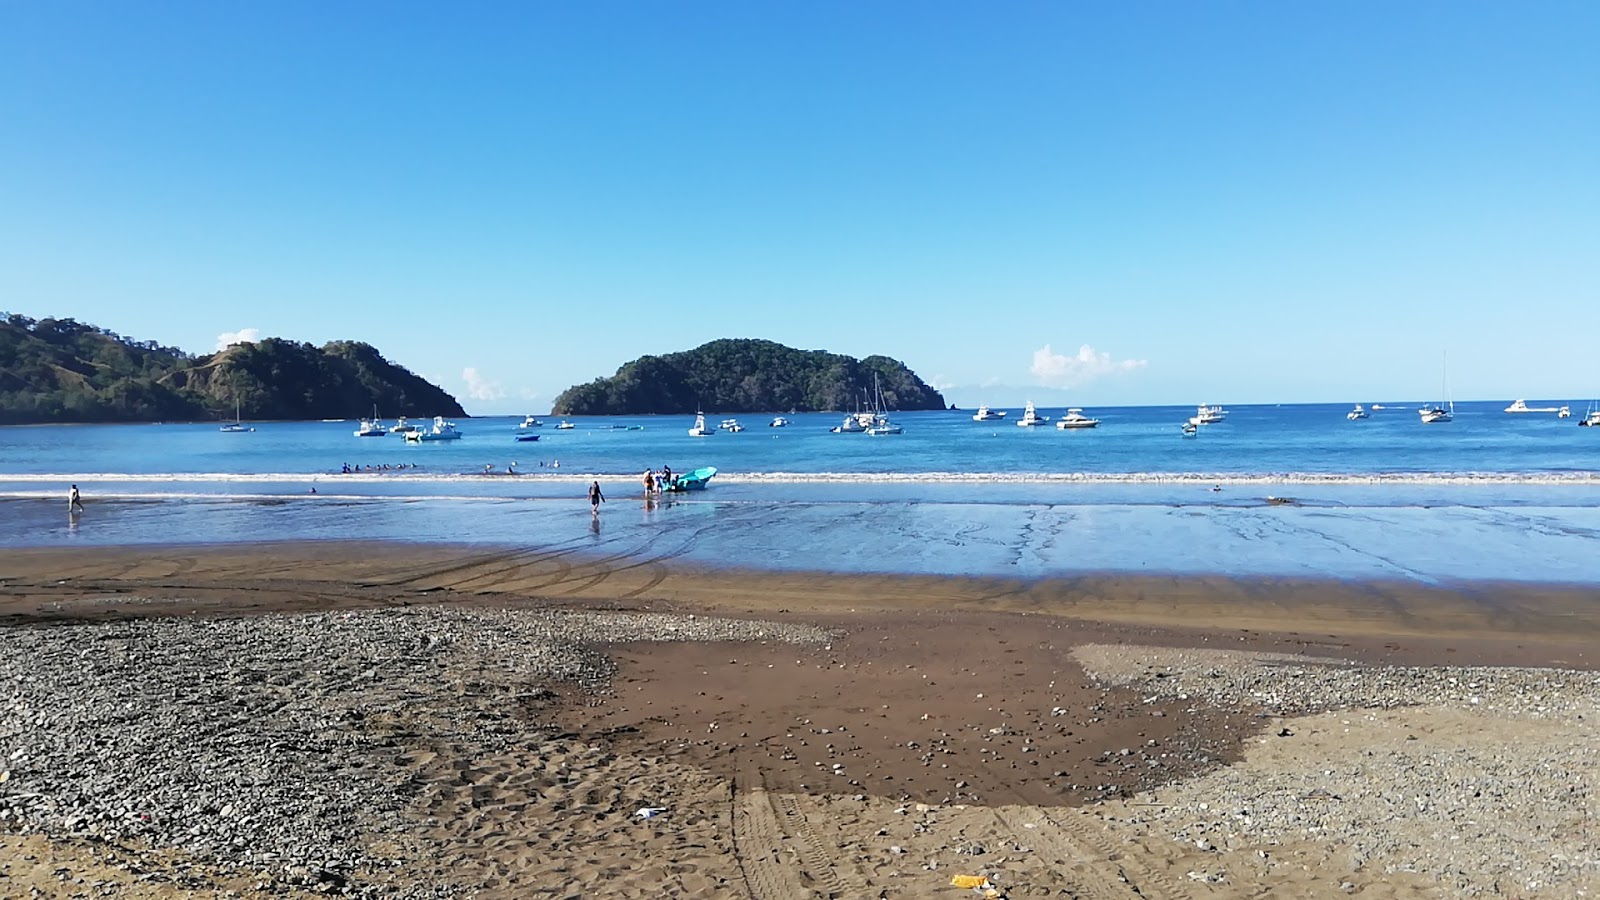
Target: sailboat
[700,429]
[1437,412]
[371,427]
[880,415]
[237,426]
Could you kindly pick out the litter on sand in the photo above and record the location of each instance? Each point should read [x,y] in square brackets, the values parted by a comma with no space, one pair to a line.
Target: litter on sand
[649,812]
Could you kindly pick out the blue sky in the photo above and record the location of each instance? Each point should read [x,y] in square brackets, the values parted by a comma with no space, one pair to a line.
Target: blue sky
[1230,202]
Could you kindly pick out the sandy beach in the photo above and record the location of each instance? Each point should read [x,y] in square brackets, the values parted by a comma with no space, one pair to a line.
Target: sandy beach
[428,721]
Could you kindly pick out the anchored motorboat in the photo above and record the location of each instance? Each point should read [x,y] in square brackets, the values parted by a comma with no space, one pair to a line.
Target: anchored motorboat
[985,414]
[1357,413]
[1209,415]
[1076,419]
[441,431]
[1031,417]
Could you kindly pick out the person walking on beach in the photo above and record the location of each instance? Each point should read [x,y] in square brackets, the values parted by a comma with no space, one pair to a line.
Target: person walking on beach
[649,482]
[595,497]
[74,502]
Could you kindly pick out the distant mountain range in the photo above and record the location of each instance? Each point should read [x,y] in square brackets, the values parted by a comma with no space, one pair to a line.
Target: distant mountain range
[740,375]
[62,370]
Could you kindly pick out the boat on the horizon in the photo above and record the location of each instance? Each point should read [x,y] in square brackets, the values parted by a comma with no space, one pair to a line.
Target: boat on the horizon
[1565,412]
[441,431]
[1521,406]
[1209,415]
[1358,413]
[1437,412]
[699,429]
[1190,428]
[1076,419]
[530,422]
[1592,419]
[985,414]
[1031,417]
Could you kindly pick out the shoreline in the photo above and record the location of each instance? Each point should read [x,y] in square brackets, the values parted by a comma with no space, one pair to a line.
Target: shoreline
[496,717]
[1497,618]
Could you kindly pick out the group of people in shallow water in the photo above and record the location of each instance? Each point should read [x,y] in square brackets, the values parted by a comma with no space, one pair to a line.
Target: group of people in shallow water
[655,484]
[348,469]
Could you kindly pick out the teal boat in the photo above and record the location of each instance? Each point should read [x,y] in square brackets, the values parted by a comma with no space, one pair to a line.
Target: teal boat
[692,481]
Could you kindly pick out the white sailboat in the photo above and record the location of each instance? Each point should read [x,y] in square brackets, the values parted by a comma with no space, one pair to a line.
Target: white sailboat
[700,429]
[237,426]
[1440,412]
[372,427]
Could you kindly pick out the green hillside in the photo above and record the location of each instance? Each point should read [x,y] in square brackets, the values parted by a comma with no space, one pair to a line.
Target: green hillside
[747,376]
[62,370]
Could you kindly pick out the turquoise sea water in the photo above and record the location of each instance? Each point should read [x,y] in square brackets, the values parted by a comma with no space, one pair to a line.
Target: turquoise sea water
[1488,496]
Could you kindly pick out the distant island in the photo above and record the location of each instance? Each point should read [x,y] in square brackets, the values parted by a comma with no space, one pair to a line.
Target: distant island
[740,376]
[62,370]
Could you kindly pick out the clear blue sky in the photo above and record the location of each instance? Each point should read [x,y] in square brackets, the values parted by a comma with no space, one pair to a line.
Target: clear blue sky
[1231,202]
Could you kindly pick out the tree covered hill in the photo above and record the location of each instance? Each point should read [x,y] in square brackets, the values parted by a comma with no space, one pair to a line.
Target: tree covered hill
[747,376]
[61,370]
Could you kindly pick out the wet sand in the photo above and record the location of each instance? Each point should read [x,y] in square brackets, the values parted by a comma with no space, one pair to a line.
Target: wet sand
[951,725]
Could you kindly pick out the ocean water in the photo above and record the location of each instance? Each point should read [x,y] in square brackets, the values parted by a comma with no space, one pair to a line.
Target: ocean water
[1488,496]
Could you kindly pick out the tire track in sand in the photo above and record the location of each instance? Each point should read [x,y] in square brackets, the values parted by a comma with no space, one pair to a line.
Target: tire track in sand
[817,865]
[1084,856]
[758,845]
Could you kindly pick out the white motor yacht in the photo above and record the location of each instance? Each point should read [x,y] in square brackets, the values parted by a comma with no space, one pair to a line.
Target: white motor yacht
[441,431]
[530,422]
[1076,419]
[1521,406]
[731,426]
[1210,415]
[370,428]
[778,422]
[1564,412]
[1031,417]
[1357,413]
[985,414]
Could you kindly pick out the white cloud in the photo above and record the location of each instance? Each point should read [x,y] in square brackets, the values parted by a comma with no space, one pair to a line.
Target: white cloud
[1056,370]
[938,383]
[242,336]
[479,387]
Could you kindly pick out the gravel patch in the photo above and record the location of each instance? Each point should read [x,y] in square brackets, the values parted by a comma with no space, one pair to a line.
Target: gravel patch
[1481,778]
[273,744]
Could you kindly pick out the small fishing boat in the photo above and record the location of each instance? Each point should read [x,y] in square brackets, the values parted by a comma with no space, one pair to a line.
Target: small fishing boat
[985,414]
[565,426]
[530,422]
[1210,415]
[884,427]
[700,429]
[1191,428]
[778,422]
[441,431]
[1564,412]
[401,426]
[1076,419]
[1358,413]
[690,481]
[524,437]
[730,425]
[850,425]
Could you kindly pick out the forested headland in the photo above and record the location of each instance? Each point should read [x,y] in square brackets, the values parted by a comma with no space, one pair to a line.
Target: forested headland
[733,375]
[62,370]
